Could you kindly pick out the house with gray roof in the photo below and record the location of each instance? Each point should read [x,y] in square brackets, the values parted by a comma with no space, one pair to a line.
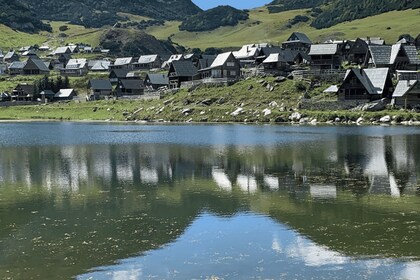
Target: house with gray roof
[10,57]
[23,92]
[32,66]
[407,94]
[225,66]
[175,57]
[155,81]
[366,85]
[325,57]
[122,63]
[76,67]
[65,94]
[275,62]
[182,71]
[397,57]
[297,41]
[99,89]
[130,88]
[148,62]
[98,65]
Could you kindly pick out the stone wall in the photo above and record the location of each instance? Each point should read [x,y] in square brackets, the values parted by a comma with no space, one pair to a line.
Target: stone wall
[333,105]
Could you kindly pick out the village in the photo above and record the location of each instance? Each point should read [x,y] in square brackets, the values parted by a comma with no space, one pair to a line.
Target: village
[358,71]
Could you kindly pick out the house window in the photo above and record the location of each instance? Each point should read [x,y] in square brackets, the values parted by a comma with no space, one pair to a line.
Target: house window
[230,64]
[233,73]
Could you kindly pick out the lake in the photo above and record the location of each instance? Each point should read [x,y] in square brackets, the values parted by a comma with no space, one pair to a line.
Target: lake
[127,201]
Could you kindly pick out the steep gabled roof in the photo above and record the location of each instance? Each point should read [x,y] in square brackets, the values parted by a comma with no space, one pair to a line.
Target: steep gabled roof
[299,37]
[274,58]
[9,55]
[119,73]
[373,80]
[100,65]
[381,54]
[100,84]
[17,65]
[123,61]
[221,59]
[76,63]
[158,79]
[411,53]
[205,62]
[132,84]
[63,93]
[62,50]
[39,64]
[403,87]
[323,49]
[184,68]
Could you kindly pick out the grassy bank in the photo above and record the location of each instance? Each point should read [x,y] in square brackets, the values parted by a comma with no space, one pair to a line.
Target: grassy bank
[247,101]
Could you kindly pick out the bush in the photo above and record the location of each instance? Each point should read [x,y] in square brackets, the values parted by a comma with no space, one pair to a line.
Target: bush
[63,28]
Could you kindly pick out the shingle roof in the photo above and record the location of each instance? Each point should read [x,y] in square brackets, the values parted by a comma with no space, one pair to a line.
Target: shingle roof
[119,73]
[381,54]
[132,84]
[39,64]
[373,79]
[9,55]
[100,65]
[299,37]
[17,65]
[47,92]
[412,55]
[61,50]
[323,49]
[146,59]
[100,84]
[158,79]
[221,59]
[76,63]
[184,68]
[403,87]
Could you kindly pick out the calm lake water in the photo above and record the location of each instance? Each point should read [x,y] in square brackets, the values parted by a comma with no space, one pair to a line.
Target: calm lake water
[102,201]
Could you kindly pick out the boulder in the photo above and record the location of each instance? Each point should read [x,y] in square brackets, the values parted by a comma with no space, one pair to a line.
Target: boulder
[266,112]
[237,112]
[295,117]
[359,120]
[385,119]
[187,111]
[280,79]
[273,104]
[375,106]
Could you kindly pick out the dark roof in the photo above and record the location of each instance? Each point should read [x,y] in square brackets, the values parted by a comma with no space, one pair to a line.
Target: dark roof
[205,62]
[381,54]
[17,65]
[131,84]
[119,73]
[412,55]
[38,63]
[184,68]
[100,84]
[299,37]
[208,56]
[158,79]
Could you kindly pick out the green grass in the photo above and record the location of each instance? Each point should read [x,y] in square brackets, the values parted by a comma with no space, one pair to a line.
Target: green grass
[265,27]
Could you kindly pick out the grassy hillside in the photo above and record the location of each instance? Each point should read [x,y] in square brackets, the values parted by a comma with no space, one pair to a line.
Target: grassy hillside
[265,27]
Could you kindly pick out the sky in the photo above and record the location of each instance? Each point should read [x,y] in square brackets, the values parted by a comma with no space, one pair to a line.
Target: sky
[239,4]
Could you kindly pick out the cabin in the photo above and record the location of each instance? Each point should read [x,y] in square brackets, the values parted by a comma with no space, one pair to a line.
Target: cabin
[181,71]
[358,51]
[155,81]
[366,85]
[10,57]
[407,94]
[205,62]
[129,88]
[98,65]
[16,68]
[148,62]
[297,41]
[75,67]
[31,66]
[99,89]
[275,62]
[117,74]
[325,57]
[248,54]
[47,96]
[23,92]
[65,94]
[174,57]
[122,63]
[225,66]
[397,57]
[62,50]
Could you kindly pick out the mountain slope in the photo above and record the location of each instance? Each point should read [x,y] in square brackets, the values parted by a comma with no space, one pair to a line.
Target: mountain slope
[97,13]
[214,18]
[329,13]
[17,16]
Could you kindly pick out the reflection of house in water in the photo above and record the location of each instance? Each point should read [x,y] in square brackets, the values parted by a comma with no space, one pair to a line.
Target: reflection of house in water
[247,183]
[149,175]
[272,182]
[221,179]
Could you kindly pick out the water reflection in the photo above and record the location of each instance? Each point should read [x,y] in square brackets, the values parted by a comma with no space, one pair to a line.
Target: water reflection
[346,203]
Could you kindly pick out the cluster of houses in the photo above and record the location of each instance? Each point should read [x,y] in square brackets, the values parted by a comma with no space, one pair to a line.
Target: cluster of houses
[364,67]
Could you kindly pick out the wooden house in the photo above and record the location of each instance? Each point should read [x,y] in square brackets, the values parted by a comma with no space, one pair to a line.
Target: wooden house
[47,96]
[75,67]
[65,94]
[98,65]
[181,71]
[397,57]
[31,66]
[225,66]
[407,94]
[325,57]
[129,88]
[175,57]
[23,92]
[122,63]
[366,85]
[297,41]
[155,81]
[148,62]
[358,51]
[10,57]
[99,89]
[275,62]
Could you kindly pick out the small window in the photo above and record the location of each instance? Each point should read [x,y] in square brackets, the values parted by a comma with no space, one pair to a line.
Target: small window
[230,64]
